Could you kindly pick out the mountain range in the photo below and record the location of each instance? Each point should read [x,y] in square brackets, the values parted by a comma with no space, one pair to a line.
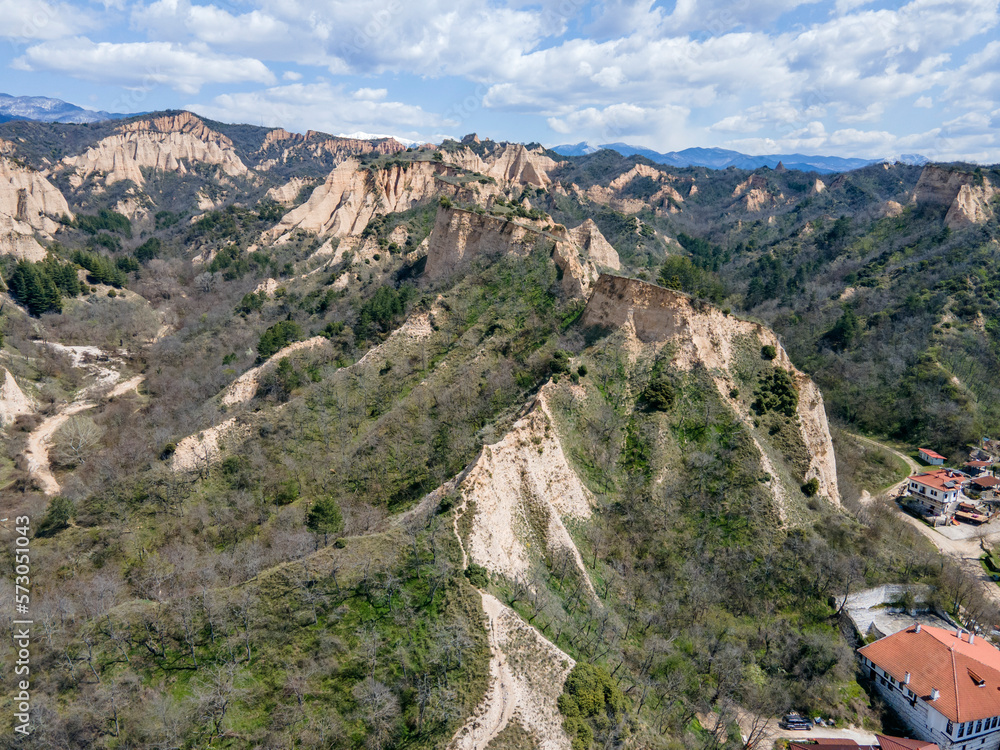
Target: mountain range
[720,158]
[45,109]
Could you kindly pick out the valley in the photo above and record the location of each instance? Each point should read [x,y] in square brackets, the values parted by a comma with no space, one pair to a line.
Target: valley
[340,443]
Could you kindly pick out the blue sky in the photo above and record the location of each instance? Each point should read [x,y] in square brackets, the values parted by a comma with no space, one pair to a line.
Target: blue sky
[847,78]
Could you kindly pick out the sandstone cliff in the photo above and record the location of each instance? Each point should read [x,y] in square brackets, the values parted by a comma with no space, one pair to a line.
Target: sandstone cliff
[349,197]
[13,401]
[171,143]
[753,194]
[29,204]
[280,147]
[966,196]
[666,199]
[459,236]
[510,164]
[287,193]
[703,335]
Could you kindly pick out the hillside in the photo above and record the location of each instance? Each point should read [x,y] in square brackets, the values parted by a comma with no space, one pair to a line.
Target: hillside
[332,442]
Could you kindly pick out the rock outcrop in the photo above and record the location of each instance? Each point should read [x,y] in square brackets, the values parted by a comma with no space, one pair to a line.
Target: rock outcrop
[459,236]
[517,494]
[351,195]
[754,194]
[13,401]
[966,195]
[171,143]
[510,164]
[29,205]
[280,147]
[245,386]
[665,200]
[703,335]
[289,192]
[589,238]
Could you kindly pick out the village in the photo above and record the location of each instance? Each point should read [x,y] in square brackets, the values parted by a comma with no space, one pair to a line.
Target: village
[939,677]
[944,496]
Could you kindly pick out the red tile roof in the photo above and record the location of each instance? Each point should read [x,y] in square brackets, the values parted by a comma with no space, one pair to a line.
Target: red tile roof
[902,743]
[985,481]
[966,674]
[939,478]
[978,464]
[929,452]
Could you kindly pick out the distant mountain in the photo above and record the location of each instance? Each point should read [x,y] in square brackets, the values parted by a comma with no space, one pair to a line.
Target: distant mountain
[362,136]
[44,109]
[720,158]
[577,149]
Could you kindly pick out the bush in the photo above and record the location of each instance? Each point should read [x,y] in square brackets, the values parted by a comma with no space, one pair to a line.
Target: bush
[660,394]
[810,488]
[57,517]
[478,575]
[109,221]
[591,700]
[277,337]
[288,492]
[776,392]
[147,250]
[768,352]
[325,518]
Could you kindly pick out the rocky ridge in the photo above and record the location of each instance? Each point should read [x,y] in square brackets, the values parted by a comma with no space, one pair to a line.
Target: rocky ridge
[704,336]
[459,236]
[29,204]
[170,143]
[966,196]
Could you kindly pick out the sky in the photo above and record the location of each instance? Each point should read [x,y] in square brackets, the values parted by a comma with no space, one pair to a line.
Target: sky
[844,78]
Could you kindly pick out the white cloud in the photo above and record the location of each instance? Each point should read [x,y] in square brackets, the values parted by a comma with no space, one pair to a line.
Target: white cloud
[142,64]
[924,102]
[371,95]
[291,75]
[321,106]
[36,19]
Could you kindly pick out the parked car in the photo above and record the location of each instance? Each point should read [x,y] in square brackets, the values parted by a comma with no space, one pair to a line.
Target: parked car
[795,722]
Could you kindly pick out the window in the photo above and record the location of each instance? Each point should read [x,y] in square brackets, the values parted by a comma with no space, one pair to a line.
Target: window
[951,727]
[979,726]
[961,730]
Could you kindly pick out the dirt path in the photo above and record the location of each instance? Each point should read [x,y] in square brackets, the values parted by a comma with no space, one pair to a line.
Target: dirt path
[106,376]
[497,707]
[37,452]
[912,465]
[966,552]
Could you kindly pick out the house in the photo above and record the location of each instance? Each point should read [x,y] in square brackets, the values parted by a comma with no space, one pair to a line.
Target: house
[978,468]
[930,457]
[883,742]
[982,484]
[944,684]
[937,492]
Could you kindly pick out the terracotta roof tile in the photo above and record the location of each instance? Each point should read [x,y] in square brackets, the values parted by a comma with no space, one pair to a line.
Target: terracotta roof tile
[903,743]
[939,479]
[929,452]
[967,675]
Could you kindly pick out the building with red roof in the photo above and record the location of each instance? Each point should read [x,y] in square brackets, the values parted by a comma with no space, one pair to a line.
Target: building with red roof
[944,684]
[930,457]
[938,492]
[883,742]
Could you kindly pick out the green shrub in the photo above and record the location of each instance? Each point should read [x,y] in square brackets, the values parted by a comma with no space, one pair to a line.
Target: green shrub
[478,575]
[776,392]
[325,518]
[768,352]
[660,394]
[277,337]
[57,516]
[288,492]
[147,250]
[811,487]
[591,700]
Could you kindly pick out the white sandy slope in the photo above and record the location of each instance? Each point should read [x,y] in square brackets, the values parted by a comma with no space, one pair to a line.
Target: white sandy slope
[244,387]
